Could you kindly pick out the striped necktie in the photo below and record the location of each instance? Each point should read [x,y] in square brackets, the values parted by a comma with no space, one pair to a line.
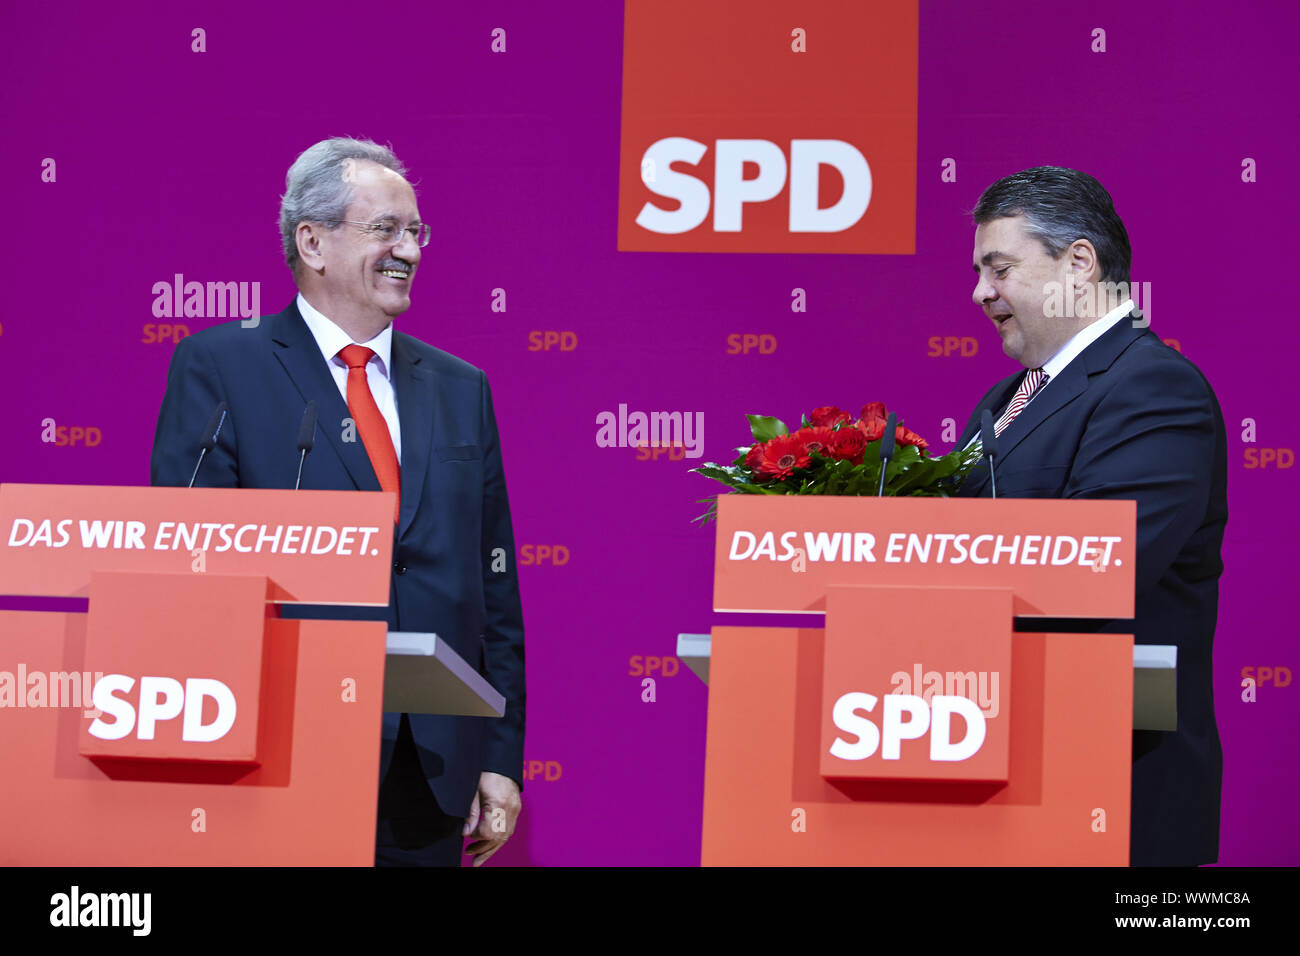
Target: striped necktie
[1034,379]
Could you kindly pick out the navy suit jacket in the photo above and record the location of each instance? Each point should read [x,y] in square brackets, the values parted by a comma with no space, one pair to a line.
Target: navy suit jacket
[1130,418]
[454,509]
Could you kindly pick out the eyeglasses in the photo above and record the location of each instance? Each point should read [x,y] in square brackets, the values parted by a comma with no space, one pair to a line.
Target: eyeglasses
[389,233]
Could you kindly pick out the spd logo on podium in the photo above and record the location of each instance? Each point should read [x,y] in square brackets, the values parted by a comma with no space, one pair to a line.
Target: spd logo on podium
[929,701]
[197,699]
[161,698]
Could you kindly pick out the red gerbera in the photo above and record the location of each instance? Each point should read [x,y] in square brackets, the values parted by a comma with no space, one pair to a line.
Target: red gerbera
[814,438]
[781,456]
[906,436]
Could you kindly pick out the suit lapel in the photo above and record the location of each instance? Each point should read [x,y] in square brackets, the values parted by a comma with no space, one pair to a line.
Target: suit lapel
[297,351]
[413,385]
[1055,395]
[997,398]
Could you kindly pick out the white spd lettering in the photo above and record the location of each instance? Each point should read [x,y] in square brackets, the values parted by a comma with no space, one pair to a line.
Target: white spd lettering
[906,717]
[161,698]
[731,190]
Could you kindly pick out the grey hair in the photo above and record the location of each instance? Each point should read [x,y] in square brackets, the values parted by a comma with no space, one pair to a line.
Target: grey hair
[315,190]
[1061,205]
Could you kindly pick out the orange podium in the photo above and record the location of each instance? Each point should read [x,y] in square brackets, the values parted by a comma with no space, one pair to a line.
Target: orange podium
[916,728]
[181,720]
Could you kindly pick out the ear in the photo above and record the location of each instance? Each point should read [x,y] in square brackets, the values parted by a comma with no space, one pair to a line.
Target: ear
[1082,262]
[310,237]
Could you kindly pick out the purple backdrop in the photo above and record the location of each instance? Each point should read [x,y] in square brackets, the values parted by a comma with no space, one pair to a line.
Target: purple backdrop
[170,161]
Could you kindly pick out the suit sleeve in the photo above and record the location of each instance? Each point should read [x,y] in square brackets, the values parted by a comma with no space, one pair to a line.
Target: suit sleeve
[504,624]
[194,389]
[1152,440]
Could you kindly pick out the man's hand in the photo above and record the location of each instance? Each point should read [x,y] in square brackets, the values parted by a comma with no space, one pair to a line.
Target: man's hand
[492,816]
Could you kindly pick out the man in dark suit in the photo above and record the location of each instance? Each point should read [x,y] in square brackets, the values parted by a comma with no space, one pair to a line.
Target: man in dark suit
[397,415]
[1104,409]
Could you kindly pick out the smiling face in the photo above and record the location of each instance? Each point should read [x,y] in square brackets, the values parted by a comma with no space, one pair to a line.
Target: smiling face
[363,281]
[1015,280]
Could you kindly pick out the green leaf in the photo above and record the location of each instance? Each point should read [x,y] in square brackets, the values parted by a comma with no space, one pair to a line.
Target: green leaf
[915,476]
[765,427]
[713,470]
[709,515]
[773,489]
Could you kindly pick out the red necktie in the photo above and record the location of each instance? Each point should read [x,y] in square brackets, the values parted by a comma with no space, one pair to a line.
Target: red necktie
[371,424]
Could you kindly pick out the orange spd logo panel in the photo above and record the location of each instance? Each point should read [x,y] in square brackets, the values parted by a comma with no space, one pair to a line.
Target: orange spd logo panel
[769,127]
[916,684]
[182,667]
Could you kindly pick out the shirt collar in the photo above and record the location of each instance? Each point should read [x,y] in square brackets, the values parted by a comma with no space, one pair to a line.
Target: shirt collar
[330,338]
[1085,337]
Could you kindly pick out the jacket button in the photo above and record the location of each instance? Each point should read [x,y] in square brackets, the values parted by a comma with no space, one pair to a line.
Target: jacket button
[399,567]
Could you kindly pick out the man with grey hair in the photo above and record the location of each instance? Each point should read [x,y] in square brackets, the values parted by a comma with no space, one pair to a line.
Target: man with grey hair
[352,235]
[1104,409]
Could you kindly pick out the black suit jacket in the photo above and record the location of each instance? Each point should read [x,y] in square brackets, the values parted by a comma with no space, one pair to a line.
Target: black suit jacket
[1130,418]
[447,572]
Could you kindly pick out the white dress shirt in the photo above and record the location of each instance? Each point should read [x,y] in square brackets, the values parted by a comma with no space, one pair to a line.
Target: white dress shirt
[1055,365]
[331,339]
[1071,350]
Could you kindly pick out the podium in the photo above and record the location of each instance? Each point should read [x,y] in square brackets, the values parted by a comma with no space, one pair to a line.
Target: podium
[181,720]
[918,727]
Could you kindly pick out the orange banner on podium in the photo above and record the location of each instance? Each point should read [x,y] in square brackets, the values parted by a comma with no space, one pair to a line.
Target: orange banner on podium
[1061,558]
[314,545]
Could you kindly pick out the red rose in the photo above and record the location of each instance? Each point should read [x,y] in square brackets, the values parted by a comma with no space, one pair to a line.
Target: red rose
[873,411]
[753,457]
[907,437]
[814,439]
[828,416]
[781,456]
[847,443]
[873,428]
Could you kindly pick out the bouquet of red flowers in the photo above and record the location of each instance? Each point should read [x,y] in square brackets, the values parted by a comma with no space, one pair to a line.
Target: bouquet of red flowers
[835,454]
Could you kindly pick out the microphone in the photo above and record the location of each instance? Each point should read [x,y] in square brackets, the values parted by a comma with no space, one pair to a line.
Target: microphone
[306,437]
[989,439]
[887,449]
[210,437]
